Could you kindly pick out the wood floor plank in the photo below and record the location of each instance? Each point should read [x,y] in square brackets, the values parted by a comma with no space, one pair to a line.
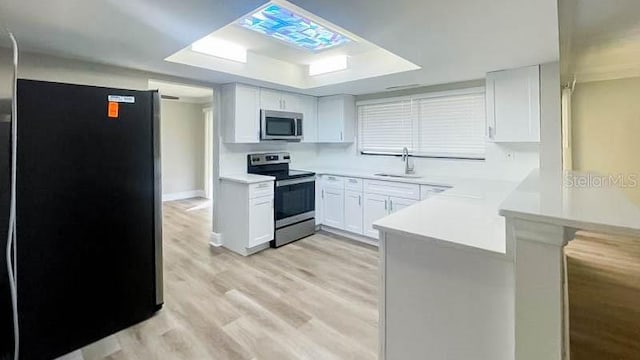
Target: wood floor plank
[604,297]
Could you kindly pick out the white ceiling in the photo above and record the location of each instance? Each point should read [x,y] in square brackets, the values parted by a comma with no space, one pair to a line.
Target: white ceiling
[601,39]
[272,60]
[452,40]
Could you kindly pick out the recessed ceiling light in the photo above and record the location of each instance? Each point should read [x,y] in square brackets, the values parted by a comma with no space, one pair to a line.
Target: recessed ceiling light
[331,64]
[283,24]
[220,48]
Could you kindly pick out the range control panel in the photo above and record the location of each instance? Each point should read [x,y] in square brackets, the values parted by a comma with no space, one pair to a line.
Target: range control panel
[269,158]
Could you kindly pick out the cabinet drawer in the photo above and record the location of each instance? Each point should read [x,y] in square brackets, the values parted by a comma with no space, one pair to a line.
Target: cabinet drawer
[261,189]
[391,188]
[354,184]
[332,181]
[431,190]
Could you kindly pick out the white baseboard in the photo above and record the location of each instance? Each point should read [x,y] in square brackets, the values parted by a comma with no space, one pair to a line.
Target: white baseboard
[183,195]
[350,235]
[215,239]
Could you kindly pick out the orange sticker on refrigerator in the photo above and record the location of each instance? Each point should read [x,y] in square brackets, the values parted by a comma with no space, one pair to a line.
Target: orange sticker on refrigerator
[113,108]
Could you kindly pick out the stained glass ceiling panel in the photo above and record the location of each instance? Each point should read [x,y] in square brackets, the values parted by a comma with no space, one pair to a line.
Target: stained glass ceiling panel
[280,23]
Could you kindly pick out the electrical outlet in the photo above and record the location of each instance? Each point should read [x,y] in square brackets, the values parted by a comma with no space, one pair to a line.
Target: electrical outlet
[509,155]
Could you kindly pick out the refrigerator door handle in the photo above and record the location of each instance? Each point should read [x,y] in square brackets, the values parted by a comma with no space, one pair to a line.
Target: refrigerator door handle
[157,202]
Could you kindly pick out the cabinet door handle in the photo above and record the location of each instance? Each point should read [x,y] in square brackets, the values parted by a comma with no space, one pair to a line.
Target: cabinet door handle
[322,196]
[385,205]
[340,135]
[390,205]
[359,200]
[491,132]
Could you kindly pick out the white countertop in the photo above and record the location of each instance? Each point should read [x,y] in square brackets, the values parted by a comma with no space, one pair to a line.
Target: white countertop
[548,197]
[465,215]
[429,180]
[245,178]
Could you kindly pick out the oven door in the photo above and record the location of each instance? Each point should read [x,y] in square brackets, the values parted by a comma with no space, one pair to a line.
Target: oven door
[295,200]
[280,125]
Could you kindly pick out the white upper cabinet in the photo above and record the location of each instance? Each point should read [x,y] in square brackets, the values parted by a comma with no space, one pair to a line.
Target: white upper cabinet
[270,99]
[513,105]
[304,104]
[309,110]
[336,119]
[240,113]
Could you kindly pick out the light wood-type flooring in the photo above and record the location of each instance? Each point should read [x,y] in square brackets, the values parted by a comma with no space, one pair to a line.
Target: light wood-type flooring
[604,297]
[317,299]
[313,299]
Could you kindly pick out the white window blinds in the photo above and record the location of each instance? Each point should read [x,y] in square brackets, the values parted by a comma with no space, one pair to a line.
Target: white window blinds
[385,127]
[448,124]
[451,126]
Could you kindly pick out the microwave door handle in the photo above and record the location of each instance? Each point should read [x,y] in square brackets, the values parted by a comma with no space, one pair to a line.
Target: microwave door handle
[295,127]
[299,131]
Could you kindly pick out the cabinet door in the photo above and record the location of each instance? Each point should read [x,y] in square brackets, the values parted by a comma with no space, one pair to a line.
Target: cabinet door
[291,102]
[310,119]
[375,208]
[240,112]
[513,105]
[270,99]
[247,114]
[353,211]
[333,208]
[330,119]
[261,223]
[397,204]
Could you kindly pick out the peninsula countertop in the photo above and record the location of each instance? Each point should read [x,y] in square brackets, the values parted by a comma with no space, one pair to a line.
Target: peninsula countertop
[583,201]
[466,215]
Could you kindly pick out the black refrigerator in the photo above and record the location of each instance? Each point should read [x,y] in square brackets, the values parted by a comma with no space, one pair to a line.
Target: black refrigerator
[89,221]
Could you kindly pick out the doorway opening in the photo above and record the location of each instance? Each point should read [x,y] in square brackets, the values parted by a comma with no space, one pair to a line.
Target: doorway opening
[186,141]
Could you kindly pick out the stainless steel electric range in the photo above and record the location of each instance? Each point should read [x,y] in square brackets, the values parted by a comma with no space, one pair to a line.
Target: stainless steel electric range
[294,199]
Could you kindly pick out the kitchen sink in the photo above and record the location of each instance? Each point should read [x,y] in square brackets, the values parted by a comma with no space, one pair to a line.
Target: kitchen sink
[397,175]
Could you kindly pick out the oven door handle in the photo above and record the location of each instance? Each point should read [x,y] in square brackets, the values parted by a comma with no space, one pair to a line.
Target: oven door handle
[280,183]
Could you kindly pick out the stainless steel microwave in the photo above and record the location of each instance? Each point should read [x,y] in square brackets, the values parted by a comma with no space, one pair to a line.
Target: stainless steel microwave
[280,125]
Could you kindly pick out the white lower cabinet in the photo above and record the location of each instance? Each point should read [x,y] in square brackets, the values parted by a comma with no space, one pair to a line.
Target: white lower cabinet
[246,220]
[397,204]
[333,207]
[261,226]
[353,214]
[353,204]
[375,208]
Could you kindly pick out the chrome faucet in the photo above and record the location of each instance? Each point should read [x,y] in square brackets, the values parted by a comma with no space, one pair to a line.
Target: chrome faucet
[408,168]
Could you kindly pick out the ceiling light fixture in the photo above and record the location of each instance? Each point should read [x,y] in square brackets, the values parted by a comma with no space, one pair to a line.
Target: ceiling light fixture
[220,48]
[331,64]
[283,24]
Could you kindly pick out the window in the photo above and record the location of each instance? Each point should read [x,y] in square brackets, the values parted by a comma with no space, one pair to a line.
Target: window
[445,124]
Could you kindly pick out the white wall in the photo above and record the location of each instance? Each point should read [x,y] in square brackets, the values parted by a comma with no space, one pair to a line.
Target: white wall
[233,157]
[550,118]
[183,134]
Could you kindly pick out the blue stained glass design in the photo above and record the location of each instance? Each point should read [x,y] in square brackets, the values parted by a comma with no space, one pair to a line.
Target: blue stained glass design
[282,24]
